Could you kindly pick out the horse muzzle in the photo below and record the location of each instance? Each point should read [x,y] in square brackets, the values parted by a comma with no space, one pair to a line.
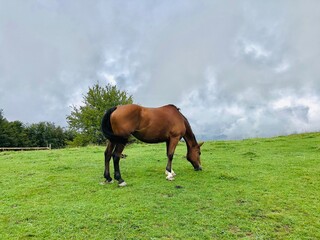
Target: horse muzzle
[199,168]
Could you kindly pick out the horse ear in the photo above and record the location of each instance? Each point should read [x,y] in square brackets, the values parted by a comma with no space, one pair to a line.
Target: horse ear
[201,143]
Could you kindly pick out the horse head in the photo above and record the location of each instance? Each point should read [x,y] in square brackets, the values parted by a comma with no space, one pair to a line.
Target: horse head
[193,156]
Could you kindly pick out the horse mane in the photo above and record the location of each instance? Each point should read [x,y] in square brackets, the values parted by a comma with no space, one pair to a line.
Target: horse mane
[189,131]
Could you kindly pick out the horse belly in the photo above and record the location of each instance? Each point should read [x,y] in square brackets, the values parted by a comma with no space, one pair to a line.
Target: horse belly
[153,137]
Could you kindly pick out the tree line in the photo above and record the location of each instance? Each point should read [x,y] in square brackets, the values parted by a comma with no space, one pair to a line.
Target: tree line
[84,123]
[18,134]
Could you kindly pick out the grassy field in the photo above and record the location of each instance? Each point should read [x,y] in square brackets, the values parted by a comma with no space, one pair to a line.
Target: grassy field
[250,189]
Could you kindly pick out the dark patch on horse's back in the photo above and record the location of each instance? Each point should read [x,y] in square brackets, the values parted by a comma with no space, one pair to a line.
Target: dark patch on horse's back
[172,105]
[107,128]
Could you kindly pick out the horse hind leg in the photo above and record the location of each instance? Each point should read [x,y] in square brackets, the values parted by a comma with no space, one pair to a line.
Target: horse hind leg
[107,157]
[116,163]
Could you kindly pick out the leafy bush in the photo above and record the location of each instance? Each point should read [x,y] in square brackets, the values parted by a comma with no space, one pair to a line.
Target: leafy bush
[85,120]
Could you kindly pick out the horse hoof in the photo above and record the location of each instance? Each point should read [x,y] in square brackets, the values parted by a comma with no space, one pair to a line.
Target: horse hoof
[106,182]
[123,184]
[170,178]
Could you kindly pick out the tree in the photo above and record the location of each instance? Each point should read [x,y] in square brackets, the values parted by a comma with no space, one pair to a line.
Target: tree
[17,134]
[44,133]
[86,119]
[12,134]
[4,137]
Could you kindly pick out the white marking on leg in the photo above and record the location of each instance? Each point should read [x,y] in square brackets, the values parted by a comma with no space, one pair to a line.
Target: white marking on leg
[170,175]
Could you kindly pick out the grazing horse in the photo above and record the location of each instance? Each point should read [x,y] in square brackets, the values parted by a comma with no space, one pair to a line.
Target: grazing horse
[150,125]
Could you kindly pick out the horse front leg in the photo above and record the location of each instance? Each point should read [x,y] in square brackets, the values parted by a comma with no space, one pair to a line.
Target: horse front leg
[116,163]
[107,157]
[171,146]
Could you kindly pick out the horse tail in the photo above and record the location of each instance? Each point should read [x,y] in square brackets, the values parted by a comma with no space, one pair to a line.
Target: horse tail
[107,128]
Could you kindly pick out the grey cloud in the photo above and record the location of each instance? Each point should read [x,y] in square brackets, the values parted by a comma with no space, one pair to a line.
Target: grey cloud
[236,69]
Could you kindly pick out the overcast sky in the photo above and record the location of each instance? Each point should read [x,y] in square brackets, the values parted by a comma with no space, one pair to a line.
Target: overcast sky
[237,69]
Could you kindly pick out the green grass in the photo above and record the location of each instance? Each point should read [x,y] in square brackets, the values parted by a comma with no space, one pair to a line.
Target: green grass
[250,189]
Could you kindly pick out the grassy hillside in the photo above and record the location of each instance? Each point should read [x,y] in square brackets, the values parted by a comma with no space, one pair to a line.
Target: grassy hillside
[251,189]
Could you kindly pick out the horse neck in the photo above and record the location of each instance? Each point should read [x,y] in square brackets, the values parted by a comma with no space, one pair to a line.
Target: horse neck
[189,136]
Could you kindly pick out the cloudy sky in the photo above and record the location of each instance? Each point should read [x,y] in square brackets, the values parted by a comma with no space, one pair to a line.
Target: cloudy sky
[237,69]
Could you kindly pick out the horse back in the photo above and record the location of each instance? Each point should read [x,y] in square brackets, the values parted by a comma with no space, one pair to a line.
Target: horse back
[148,124]
[160,124]
[167,117]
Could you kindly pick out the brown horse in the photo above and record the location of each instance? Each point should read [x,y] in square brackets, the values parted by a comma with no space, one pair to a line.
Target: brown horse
[150,125]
